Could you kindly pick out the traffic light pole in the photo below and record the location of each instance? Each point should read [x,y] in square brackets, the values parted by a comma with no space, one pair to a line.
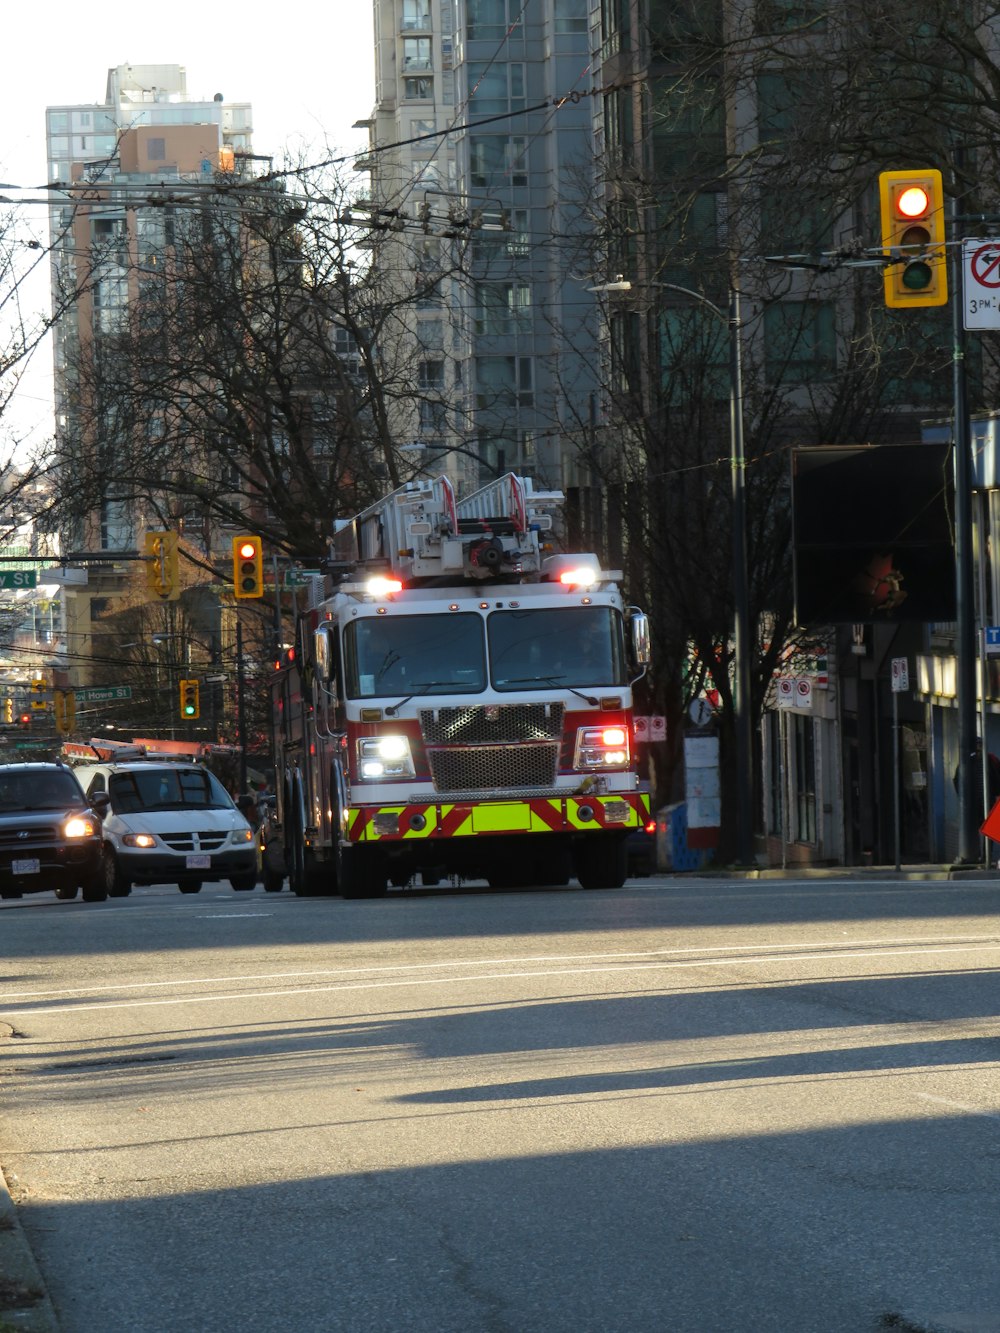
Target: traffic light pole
[965,648]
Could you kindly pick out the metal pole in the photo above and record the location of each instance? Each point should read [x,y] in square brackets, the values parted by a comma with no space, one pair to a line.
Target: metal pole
[965,647]
[741,598]
[895,771]
[982,528]
[240,709]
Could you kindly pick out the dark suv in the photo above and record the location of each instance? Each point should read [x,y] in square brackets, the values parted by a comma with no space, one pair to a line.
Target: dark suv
[50,838]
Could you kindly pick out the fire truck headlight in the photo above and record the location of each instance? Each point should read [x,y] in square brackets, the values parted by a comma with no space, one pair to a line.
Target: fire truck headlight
[385,757]
[601,747]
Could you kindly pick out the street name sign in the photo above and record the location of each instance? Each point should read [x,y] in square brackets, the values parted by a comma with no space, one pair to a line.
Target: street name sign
[15,579]
[101,694]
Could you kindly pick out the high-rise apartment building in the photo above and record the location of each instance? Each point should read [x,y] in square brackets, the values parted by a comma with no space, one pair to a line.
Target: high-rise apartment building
[112,166]
[481,147]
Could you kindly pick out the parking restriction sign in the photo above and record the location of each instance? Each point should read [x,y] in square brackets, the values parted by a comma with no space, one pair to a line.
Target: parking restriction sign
[900,675]
[981,284]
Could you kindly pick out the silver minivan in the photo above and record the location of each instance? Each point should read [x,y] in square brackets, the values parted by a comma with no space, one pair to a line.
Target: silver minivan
[169,823]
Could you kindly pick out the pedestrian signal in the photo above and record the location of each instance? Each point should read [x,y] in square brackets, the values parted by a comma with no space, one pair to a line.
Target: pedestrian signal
[248,567]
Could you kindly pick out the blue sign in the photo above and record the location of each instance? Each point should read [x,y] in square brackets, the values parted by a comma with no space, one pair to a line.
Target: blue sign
[991,640]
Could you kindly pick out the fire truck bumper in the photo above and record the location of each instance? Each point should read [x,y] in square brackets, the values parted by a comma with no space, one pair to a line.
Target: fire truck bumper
[469,819]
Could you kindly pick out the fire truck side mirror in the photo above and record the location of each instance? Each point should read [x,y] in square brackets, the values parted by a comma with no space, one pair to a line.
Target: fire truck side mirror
[324,652]
[641,650]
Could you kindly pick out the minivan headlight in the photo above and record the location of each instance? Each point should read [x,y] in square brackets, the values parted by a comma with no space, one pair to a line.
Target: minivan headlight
[138,840]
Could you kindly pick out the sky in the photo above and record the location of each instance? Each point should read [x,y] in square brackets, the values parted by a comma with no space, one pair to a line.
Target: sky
[307,69]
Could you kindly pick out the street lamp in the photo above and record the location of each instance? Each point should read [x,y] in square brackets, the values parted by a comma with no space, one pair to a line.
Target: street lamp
[741,597]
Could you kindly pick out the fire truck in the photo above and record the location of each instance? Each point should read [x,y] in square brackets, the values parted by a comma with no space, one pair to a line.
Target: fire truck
[458,703]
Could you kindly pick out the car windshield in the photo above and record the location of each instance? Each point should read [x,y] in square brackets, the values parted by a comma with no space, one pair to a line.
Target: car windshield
[166,789]
[38,791]
[558,646]
[415,655]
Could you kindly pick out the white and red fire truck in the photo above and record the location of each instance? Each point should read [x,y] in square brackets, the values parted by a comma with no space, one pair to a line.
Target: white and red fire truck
[458,703]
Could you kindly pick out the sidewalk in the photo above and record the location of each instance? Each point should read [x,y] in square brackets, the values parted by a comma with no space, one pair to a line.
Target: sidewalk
[905,872]
[24,1302]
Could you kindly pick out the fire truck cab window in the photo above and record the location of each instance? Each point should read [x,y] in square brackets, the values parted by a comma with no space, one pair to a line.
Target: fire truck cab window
[429,654]
[571,646]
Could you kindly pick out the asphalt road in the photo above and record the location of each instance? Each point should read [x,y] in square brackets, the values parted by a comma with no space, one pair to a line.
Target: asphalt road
[690,1105]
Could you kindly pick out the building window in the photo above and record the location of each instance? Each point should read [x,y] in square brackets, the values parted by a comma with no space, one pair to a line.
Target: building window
[495,88]
[780,96]
[503,308]
[775,769]
[416,53]
[805,778]
[800,341]
[489,20]
[416,16]
[570,16]
[418,89]
[156,150]
[504,381]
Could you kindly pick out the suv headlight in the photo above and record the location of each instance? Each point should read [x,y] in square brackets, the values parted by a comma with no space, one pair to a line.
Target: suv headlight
[79,826]
[385,757]
[601,747]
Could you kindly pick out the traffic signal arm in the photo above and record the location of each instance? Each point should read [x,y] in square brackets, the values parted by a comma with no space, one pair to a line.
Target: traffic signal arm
[912,209]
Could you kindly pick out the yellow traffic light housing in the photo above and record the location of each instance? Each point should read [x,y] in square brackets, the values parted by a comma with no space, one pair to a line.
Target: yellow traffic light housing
[65,711]
[39,693]
[913,234]
[163,565]
[248,567]
[190,706]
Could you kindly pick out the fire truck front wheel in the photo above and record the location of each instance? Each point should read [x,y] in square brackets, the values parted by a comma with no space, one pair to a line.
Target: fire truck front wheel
[601,861]
[361,873]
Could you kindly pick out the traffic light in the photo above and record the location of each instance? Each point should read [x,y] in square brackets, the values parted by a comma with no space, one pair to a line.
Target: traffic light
[189,704]
[65,711]
[913,234]
[8,710]
[248,567]
[39,693]
[163,565]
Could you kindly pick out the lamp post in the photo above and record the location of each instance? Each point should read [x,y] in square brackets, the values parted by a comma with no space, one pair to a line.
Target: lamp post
[741,596]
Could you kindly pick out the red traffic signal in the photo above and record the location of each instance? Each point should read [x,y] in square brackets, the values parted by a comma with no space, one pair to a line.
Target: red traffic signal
[248,567]
[913,235]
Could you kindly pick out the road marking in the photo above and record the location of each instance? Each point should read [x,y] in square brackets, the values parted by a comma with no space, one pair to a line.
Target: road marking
[241,996]
[832,948]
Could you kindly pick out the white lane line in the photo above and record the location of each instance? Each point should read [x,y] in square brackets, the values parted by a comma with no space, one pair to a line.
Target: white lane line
[526,975]
[835,948]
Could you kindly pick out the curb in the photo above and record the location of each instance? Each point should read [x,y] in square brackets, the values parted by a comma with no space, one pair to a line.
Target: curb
[24,1302]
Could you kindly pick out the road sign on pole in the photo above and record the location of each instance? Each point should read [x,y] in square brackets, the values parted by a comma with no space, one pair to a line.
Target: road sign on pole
[900,675]
[981,284]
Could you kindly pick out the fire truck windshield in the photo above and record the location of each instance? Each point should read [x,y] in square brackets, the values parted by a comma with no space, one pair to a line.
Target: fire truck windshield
[556,646]
[408,655]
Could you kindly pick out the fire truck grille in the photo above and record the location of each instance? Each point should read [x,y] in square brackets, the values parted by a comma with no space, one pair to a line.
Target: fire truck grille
[491,725]
[493,767]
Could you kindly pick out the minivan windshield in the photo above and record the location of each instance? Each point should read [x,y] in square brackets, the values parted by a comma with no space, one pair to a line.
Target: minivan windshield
[166,789]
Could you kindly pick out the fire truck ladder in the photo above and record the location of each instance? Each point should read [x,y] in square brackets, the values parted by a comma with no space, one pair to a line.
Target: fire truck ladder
[420,532]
